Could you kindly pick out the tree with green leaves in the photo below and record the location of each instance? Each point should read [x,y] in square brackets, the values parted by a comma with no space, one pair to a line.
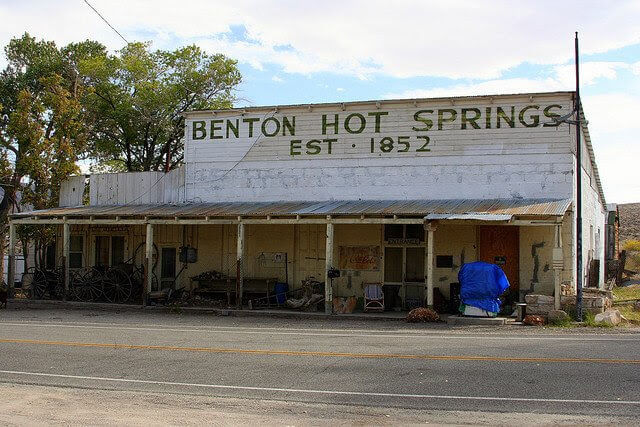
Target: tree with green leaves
[138,97]
[44,127]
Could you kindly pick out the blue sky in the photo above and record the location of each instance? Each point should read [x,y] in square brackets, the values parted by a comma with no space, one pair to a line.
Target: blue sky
[308,51]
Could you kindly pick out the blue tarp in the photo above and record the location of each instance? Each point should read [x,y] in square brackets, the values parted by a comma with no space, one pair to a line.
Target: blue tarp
[481,284]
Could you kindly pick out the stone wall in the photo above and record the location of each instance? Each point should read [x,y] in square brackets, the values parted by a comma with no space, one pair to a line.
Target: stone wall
[592,301]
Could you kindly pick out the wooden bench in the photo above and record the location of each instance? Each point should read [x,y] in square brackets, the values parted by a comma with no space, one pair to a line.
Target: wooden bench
[251,286]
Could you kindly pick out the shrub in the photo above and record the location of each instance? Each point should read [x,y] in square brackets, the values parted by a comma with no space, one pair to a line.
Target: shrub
[631,245]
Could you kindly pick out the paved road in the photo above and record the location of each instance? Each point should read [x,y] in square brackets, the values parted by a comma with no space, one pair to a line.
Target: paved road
[366,364]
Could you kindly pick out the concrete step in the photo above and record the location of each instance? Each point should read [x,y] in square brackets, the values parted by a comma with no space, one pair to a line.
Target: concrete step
[486,321]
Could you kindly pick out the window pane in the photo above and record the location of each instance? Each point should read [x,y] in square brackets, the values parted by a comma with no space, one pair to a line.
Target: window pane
[415,231]
[102,251]
[392,231]
[415,265]
[75,260]
[76,243]
[168,268]
[393,264]
[117,250]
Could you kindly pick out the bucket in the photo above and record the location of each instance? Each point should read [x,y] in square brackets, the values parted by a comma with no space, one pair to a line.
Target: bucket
[281,290]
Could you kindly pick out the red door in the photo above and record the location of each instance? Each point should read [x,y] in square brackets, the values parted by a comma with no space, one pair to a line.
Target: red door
[500,244]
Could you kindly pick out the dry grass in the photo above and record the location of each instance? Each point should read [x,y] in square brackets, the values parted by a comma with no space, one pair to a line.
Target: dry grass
[629,313]
[626,293]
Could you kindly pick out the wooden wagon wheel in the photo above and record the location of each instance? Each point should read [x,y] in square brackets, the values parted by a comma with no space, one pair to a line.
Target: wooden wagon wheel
[37,281]
[87,284]
[117,285]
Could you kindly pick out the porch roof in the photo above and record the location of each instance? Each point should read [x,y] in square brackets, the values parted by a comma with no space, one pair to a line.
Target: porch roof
[474,209]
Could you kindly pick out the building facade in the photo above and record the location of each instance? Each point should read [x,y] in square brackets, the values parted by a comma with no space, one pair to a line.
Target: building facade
[399,193]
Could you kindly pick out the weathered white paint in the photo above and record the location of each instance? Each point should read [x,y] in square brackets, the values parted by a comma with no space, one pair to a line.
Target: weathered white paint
[428,262]
[558,265]
[500,162]
[72,191]
[328,282]
[136,188]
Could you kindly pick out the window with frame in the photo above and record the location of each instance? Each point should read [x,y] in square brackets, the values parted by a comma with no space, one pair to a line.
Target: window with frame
[109,251]
[404,234]
[76,251]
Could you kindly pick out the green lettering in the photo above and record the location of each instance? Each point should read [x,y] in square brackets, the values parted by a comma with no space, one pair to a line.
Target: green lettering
[441,119]
[233,128]
[363,123]
[313,146]
[487,119]
[549,114]
[535,117]
[378,115]
[427,140]
[511,121]
[329,141]
[471,120]
[199,126]
[251,121]
[294,147]
[287,125]
[214,128]
[427,122]
[325,124]
[264,126]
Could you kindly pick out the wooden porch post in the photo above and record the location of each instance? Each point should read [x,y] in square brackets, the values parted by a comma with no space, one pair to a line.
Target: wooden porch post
[66,241]
[239,265]
[149,262]
[428,262]
[11,267]
[558,265]
[328,288]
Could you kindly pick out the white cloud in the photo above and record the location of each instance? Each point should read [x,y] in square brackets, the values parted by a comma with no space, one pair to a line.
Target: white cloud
[464,39]
[340,89]
[489,87]
[563,78]
[277,79]
[636,68]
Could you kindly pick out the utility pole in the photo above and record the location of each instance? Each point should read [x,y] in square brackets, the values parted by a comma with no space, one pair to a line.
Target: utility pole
[578,192]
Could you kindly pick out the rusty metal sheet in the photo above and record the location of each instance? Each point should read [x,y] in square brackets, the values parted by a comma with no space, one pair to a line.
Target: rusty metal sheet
[488,209]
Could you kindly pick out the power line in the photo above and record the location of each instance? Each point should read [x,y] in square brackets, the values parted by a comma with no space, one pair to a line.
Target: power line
[107,22]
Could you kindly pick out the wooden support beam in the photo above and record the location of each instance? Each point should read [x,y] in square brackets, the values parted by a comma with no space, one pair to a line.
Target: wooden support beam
[428,262]
[328,288]
[239,265]
[558,265]
[11,267]
[149,263]
[66,242]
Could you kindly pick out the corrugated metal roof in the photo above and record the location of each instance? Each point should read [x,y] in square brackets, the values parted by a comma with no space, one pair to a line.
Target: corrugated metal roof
[488,97]
[471,216]
[525,207]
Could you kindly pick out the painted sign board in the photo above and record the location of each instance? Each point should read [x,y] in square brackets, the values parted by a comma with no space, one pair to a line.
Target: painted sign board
[476,147]
[360,258]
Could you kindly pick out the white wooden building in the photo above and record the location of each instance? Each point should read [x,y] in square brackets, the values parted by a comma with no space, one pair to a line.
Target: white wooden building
[395,192]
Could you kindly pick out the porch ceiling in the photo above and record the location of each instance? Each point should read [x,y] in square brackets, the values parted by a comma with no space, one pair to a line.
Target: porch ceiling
[501,209]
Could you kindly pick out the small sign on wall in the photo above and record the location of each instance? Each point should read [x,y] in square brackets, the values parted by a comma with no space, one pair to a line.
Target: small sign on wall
[360,258]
